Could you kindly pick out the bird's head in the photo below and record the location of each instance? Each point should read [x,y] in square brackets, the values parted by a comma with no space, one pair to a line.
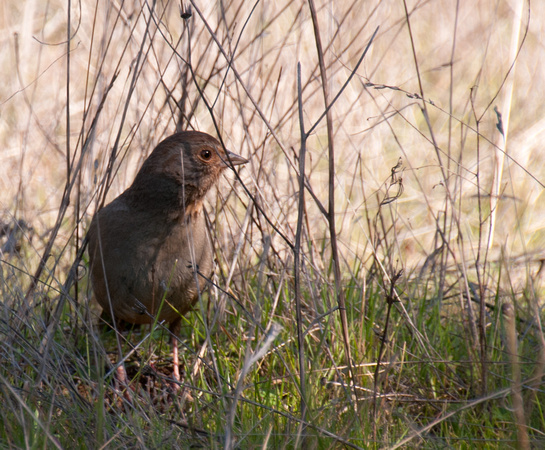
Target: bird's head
[186,164]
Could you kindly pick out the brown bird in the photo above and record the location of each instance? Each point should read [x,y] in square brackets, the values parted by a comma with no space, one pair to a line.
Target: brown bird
[149,249]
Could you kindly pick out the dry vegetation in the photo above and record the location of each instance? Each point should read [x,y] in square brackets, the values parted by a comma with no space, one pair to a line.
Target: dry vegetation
[432,243]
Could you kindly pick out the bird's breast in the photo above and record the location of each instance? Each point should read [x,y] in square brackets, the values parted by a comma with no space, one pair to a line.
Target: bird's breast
[153,265]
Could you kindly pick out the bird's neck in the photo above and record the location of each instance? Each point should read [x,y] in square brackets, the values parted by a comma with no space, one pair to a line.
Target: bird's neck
[166,195]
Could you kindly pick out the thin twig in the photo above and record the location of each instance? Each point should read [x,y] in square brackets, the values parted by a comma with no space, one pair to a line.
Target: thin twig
[331,196]
[297,252]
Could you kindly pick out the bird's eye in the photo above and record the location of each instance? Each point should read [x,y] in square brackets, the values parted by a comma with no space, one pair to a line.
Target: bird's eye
[206,154]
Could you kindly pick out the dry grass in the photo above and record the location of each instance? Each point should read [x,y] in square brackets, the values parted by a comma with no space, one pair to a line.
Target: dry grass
[463,215]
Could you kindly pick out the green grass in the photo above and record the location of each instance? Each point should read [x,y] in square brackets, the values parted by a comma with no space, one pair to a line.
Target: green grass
[62,396]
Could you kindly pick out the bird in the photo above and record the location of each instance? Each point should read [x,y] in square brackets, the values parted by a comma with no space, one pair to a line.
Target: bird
[150,252]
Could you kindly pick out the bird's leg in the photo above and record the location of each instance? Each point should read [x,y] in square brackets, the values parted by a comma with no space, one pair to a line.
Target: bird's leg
[122,384]
[121,377]
[174,331]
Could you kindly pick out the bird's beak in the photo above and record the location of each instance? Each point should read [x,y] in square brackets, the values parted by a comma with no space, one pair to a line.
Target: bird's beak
[234,159]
